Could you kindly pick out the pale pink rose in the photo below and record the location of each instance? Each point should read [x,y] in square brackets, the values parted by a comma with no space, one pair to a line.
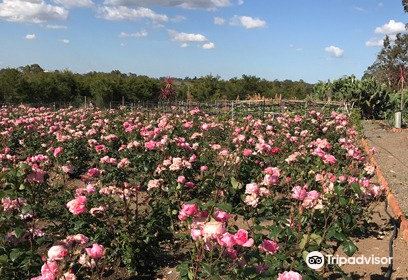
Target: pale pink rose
[264,191]
[299,192]
[57,253]
[187,210]
[311,199]
[97,210]
[181,179]
[241,238]
[86,261]
[12,204]
[151,145]
[269,247]
[247,152]
[221,216]
[49,271]
[227,240]
[79,238]
[57,151]
[252,200]
[154,184]
[329,159]
[123,163]
[96,251]
[203,168]
[67,168]
[77,206]
[252,188]
[212,230]
[195,233]
[289,275]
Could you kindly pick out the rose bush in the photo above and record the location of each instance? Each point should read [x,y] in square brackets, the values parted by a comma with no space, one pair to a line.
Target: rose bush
[243,198]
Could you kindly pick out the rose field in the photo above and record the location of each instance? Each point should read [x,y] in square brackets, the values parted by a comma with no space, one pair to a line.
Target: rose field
[122,194]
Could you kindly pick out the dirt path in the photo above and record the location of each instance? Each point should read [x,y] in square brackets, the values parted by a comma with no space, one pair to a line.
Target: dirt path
[392,156]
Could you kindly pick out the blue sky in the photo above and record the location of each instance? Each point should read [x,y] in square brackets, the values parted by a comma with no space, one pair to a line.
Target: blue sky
[274,39]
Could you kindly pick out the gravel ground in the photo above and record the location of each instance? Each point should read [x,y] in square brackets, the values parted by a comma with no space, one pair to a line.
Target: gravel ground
[392,156]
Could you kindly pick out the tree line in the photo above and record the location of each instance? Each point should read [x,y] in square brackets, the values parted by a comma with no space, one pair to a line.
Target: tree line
[31,84]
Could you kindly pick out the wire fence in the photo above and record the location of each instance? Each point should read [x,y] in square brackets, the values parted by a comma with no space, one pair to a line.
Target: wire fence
[234,108]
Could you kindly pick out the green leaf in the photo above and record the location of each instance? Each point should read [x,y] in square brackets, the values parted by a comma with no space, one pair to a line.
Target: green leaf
[3,258]
[312,239]
[349,248]
[15,254]
[235,184]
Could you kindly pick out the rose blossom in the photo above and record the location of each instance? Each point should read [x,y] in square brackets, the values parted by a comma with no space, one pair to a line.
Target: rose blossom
[299,192]
[96,251]
[77,206]
[213,230]
[289,275]
[57,253]
[241,238]
[269,247]
[57,151]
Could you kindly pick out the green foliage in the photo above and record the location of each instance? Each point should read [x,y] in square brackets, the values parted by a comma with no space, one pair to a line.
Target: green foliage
[370,97]
[31,84]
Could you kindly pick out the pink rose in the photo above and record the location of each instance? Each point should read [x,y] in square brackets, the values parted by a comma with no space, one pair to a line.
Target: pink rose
[227,240]
[57,151]
[203,168]
[221,216]
[252,188]
[247,152]
[241,238]
[187,210]
[311,199]
[93,172]
[181,179]
[269,247]
[289,275]
[77,206]
[57,253]
[299,192]
[212,230]
[96,251]
[195,233]
[151,145]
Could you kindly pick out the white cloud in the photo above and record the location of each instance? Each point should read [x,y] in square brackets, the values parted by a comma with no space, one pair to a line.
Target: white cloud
[184,45]
[391,28]
[125,13]
[75,3]
[30,37]
[334,51]
[186,37]
[375,42]
[178,18]
[34,11]
[55,26]
[219,21]
[65,41]
[208,46]
[359,9]
[247,22]
[139,34]
[185,4]
[240,2]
